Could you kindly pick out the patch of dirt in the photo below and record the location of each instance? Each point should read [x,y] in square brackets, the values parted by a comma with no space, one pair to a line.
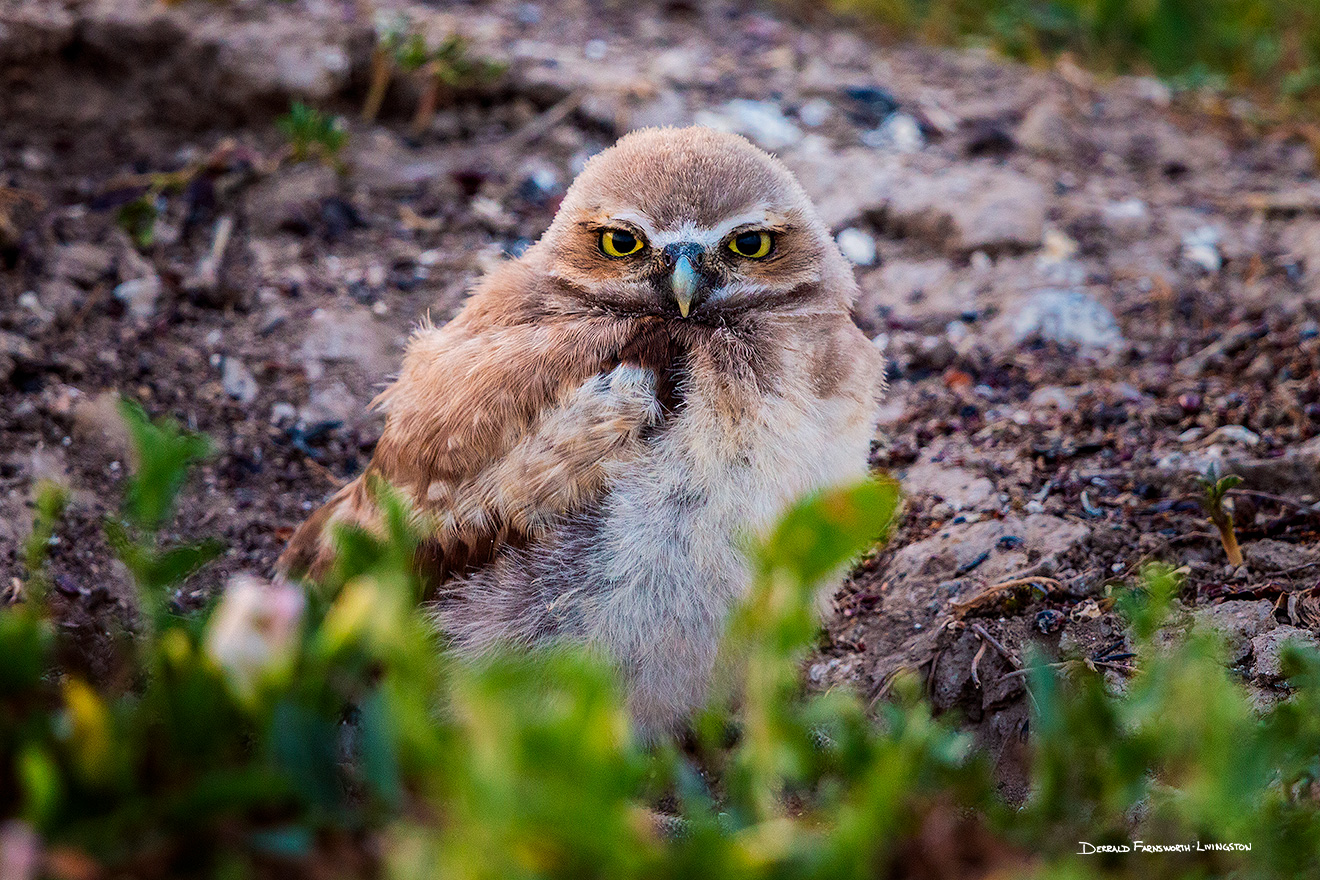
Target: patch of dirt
[1089,292]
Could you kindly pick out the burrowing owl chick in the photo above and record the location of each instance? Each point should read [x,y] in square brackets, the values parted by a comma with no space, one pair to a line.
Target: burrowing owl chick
[612,413]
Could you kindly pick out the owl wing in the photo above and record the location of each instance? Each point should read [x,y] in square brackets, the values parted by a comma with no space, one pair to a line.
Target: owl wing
[494,433]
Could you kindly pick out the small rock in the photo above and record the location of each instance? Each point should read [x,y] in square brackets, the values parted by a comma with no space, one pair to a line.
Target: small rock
[1238,623]
[238,381]
[815,112]
[282,413]
[959,487]
[291,199]
[1068,317]
[1268,554]
[761,121]
[1268,647]
[1233,434]
[1053,396]
[1200,247]
[1048,620]
[1128,220]
[332,403]
[1045,131]
[139,296]
[869,106]
[1045,539]
[982,208]
[82,263]
[61,298]
[1058,247]
[351,336]
[857,246]
[129,264]
[13,348]
[899,133]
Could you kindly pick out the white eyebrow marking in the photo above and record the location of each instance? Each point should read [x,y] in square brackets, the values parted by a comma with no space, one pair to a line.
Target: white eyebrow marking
[689,232]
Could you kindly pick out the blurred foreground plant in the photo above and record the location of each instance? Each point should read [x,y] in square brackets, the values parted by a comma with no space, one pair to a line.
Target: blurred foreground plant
[328,733]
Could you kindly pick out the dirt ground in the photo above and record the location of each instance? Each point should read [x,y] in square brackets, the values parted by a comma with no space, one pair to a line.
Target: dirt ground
[1089,292]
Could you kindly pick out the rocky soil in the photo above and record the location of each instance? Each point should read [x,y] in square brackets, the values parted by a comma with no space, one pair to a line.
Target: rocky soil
[1090,292]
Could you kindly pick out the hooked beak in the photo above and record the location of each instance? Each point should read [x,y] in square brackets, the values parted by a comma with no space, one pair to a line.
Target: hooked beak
[683,280]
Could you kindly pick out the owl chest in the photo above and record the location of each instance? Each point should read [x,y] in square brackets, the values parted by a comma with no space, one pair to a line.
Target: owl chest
[720,474]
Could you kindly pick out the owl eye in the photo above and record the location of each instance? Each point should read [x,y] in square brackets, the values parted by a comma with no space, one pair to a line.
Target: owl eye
[752,245]
[619,243]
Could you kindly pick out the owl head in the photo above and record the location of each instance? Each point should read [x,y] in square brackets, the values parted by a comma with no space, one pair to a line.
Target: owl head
[696,224]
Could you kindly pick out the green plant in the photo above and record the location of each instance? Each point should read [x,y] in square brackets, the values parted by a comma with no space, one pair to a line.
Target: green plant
[1272,46]
[51,499]
[164,454]
[1214,489]
[138,218]
[327,732]
[313,134]
[403,50]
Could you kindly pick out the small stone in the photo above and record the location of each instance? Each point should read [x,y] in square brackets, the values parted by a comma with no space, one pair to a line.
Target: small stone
[869,106]
[815,112]
[595,50]
[857,246]
[1049,620]
[82,263]
[61,298]
[351,336]
[962,489]
[238,381]
[1045,131]
[1053,396]
[977,208]
[1128,220]
[332,403]
[1233,434]
[1268,648]
[1269,554]
[761,121]
[1238,622]
[283,413]
[1057,247]
[139,296]
[1200,247]
[291,199]
[1068,317]
[900,133]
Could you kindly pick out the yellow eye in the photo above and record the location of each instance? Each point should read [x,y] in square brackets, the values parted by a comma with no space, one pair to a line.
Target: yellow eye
[752,245]
[619,243]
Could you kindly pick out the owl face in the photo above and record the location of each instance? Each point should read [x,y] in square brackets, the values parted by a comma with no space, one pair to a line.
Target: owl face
[688,223]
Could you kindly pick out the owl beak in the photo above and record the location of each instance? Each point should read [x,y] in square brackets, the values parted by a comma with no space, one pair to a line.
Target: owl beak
[683,280]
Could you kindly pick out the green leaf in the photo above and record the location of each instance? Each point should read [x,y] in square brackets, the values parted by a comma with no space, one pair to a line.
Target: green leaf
[378,755]
[304,746]
[174,565]
[830,528]
[163,452]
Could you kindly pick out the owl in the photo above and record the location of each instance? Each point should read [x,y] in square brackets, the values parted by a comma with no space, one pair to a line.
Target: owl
[596,434]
